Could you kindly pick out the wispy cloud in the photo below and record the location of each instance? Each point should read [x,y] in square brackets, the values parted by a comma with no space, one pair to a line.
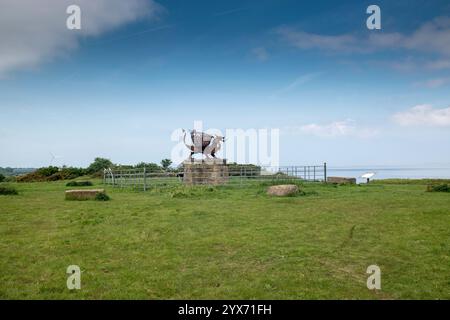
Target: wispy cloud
[227,12]
[304,40]
[297,83]
[136,34]
[404,65]
[423,115]
[34,31]
[344,128]
[433,36]
[260,53]
[438,64]
[433,83]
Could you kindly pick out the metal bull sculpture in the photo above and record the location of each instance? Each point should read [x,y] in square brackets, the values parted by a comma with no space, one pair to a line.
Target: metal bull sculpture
[204,143]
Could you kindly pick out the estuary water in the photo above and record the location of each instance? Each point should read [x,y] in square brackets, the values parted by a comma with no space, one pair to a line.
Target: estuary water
[398,172]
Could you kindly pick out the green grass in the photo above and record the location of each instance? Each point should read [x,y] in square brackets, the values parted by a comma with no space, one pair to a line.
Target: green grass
[226,243]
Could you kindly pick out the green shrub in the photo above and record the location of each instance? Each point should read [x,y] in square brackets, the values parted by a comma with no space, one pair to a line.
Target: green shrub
[2,178]
[8,191]
[47,171]
[98,165]
[149,167]
[102,197]
[52,174]
[10,179]
[79,184]
[438,188]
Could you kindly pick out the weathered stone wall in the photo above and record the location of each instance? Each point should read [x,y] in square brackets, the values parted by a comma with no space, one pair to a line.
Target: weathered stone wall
[341,180]
[205,172]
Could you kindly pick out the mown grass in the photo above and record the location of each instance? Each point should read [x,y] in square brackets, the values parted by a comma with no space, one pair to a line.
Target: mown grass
[230,243]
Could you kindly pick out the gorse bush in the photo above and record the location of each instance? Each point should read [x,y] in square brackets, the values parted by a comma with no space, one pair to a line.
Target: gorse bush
[52,174]
[438,188]
[8,191]
[72,173]
[79,184]
[47,171]
[31,177]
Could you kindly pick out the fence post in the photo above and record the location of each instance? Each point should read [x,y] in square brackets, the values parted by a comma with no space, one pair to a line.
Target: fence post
[325,171]
[240,176]
[145,180]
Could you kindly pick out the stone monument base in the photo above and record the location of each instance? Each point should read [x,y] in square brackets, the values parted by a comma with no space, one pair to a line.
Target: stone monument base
[205,172]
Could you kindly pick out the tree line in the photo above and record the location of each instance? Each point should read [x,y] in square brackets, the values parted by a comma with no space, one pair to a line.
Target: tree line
[95,169]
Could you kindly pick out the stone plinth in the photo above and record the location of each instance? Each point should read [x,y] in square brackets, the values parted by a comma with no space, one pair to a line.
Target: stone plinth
[205,172]
[83,194]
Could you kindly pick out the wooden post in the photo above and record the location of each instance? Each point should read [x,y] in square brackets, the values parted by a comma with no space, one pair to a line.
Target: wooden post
[240,176]
[145,180]
[325,171]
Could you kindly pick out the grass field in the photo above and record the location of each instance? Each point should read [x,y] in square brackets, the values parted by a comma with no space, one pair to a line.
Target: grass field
[227,243]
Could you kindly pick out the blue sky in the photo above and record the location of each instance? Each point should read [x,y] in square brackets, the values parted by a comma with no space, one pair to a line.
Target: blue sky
[139,69]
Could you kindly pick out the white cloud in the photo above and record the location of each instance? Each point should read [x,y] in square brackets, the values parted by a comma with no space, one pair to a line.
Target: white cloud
[334,129]
[423,115]
[433,36]
[34,31]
